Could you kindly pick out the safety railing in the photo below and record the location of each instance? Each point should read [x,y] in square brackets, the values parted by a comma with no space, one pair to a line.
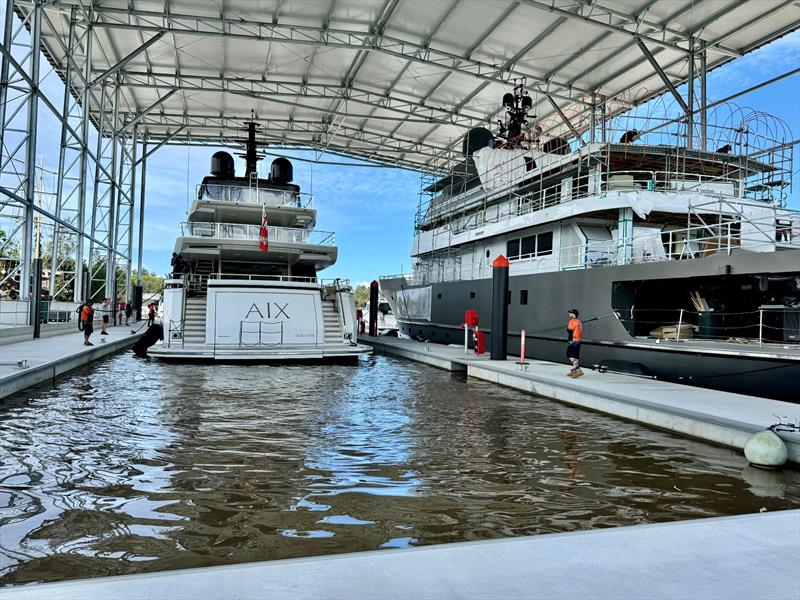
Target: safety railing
[17,313]
[765,325]
[248,277]
[252,333]
[676,244]
[253,195]
[514,204]
[237,231]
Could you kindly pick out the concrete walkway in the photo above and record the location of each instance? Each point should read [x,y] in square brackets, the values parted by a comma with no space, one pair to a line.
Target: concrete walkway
[711,415]
[53,356]
[749,556]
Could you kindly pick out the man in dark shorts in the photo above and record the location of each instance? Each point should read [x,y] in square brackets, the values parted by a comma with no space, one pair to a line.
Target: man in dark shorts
[87,319]
[574,336]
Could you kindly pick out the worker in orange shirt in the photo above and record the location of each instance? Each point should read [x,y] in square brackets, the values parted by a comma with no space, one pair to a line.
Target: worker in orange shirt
[87,318]
[574,336]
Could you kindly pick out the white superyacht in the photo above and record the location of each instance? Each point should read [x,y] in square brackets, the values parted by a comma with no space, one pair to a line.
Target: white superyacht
[249,288]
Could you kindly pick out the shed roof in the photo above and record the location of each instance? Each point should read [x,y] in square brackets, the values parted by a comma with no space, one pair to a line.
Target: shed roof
[397,81]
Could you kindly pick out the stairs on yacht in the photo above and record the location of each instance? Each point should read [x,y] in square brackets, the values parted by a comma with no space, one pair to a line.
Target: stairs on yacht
[330,317]
[194,321]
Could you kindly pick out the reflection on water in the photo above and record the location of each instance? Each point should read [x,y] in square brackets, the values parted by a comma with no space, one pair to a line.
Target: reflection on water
[132,466]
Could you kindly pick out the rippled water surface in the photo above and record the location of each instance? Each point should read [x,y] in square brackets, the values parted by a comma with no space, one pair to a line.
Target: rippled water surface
[131,466]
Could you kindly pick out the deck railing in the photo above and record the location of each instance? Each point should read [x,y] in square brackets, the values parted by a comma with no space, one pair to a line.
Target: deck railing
[237,231]
[253,195]
[510,203]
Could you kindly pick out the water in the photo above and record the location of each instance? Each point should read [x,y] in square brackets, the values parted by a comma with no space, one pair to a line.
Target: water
[131,466]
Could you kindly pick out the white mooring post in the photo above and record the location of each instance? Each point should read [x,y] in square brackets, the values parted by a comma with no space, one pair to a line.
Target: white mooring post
[760,326]
[680,323]
[466,338]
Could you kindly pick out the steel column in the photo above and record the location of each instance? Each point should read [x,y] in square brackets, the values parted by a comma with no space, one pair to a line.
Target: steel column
[703,99]
[62,154]
[114,198]
[30,154]
[690,97]
[141,213]
[86,101]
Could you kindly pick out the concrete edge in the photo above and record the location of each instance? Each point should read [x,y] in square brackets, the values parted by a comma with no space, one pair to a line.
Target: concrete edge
[131,580]
[49,371]
[724,432]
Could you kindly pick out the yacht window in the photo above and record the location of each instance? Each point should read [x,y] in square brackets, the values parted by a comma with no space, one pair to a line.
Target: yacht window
[438,296]
[472,294]
[512,249]
[509,296]
[523,297]
[545,244]
[528,245]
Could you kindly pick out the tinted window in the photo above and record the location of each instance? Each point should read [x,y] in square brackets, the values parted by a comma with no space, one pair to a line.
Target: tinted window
[523,296]
[472,294]
[512,249]
[509,296]
[528,245]
[545,243]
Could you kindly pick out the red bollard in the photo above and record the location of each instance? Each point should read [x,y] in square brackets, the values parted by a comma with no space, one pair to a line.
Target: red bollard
[522,347]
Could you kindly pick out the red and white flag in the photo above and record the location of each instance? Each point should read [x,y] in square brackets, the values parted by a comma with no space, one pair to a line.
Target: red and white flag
[263,234]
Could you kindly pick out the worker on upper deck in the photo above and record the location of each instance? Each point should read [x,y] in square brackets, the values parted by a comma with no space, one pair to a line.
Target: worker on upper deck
[574,336]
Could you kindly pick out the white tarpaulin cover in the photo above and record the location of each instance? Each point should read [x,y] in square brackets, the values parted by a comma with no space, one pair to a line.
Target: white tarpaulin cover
[394,81]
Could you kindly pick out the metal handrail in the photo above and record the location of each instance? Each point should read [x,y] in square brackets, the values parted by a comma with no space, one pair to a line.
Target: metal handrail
[249,277]
[239,231]
[240,194]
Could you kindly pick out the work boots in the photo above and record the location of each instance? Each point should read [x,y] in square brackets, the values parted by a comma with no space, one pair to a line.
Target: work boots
[575,373]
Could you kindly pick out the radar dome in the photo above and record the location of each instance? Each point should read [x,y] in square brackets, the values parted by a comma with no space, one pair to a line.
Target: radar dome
[281,170]
[222,165]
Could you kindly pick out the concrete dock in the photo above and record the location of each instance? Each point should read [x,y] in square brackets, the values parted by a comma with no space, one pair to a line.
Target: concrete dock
[714,416]
[747,556]
[49,357]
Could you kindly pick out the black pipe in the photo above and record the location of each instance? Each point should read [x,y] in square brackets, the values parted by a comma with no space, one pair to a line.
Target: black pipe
[499,308]
[373,308]
[137,302]
[36,297]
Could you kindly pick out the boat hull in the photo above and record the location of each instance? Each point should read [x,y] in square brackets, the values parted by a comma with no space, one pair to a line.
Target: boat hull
[769,371]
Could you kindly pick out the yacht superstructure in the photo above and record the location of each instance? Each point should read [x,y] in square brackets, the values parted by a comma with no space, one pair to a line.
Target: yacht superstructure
[682,258]
[248,287]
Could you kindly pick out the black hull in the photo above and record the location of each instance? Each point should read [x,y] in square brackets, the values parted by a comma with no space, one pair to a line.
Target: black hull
[762,377]
[605,305]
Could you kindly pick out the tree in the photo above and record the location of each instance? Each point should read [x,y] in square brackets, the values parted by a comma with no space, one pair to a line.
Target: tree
[361,295]
[151,283]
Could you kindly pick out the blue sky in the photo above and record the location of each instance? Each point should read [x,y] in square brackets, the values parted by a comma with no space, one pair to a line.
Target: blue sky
[372,209]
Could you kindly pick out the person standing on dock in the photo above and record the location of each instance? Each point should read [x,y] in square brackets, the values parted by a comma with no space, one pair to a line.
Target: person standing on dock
[151,314]
[128,313]
[87,319]
[105,308]
[574,336]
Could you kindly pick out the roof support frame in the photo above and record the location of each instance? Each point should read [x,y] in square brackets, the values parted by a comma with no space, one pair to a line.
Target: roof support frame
[660,72]
[564,118]
[110,17]
[606,24]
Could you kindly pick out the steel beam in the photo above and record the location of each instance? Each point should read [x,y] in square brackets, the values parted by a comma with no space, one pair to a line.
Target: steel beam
[121,64]
[703,99]
[564,118]
[660,72]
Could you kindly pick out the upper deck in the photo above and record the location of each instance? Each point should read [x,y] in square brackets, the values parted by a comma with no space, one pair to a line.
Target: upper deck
[230,203]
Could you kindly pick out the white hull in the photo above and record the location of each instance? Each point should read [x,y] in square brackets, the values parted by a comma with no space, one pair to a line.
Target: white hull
[259,319]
